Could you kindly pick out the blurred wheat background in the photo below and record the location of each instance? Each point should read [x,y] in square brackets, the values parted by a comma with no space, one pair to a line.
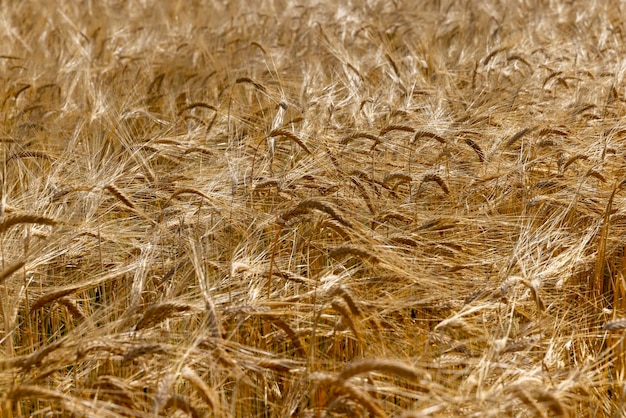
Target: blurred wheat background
[312,209]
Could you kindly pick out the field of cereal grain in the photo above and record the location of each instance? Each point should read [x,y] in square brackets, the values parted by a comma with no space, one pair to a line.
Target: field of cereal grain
[291,208]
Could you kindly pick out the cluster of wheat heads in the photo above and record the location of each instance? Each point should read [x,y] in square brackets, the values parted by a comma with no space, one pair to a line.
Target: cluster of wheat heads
[283,208]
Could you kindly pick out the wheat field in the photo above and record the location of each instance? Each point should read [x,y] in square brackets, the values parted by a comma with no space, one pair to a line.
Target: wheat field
[295,208]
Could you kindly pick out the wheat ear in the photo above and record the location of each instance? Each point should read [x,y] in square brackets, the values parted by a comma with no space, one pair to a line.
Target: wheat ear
[142,350]
[72,308]
[347,296]
[378,365]
[307,205]
[364,194]
[366,401]
[29,154]
[391,128]
[535,293]
[426,134]
[195,105]
[119,195]
[476,148]
[10,269]
[343,250]
[347,318]
[493,54]
[199,150]
[256,85]
[277,365]
[295,340]
[289,135]
[517,136]
[259,46]
[31,391]
[527,400]
[181,403]
[403,240]
[437,179]
[393,215]
[121,388]
[393,64]
[205,391]
[355,70]
[552,402]
[593,173]
[615,324]
[17,219]
[573,159]
[52,296]
[35,359]
[320,378]
[186,190]
[552,131]
[346,140]
[335,226]
[158,313]
[519,58]
[400,177]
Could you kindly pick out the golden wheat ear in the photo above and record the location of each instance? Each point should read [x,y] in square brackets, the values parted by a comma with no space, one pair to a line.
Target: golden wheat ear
[119,195]
[308,205]
[17,219]
[10,269]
